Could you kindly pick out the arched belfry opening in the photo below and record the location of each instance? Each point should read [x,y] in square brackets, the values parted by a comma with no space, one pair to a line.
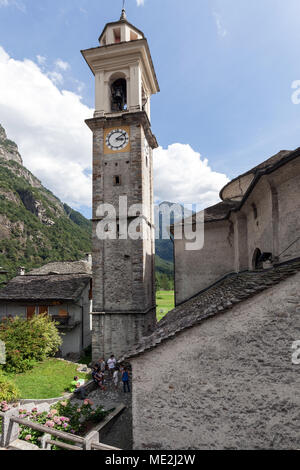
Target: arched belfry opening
[257,260]
[119,95]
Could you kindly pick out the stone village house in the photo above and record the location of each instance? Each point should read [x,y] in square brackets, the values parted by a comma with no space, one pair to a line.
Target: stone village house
[62,290]
[217,373]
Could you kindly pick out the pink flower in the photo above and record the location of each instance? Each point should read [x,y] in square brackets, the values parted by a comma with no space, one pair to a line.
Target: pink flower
[34,410]
[65,425]
[50,424]
[53,412]
[28,437]
[64,403]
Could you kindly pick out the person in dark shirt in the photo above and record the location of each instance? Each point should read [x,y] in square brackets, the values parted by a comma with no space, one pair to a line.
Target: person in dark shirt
[125,380]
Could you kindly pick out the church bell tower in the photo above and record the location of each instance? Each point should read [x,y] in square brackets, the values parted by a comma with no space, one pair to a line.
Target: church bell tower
[124,305]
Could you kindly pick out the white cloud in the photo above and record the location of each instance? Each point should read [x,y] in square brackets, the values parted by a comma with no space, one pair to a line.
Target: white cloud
[48,125]
[16,3]
[62,65]
[56,145]
[182,176]
[219,22]
[140,2]
[56,77]
[41,59]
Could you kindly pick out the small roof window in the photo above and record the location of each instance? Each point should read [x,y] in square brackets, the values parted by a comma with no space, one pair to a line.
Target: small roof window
[117,35]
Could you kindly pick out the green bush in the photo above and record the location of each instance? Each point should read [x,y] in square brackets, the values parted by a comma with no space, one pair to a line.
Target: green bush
[28,342]
[8,390]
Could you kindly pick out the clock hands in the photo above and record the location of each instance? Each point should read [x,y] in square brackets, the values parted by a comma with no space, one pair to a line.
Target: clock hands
[121,137]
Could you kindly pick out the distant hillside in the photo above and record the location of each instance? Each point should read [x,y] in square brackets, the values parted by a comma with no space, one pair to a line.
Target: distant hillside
[35,226]
[164,247]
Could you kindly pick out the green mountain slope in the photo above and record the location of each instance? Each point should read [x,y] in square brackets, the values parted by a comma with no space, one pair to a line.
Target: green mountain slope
[35,227]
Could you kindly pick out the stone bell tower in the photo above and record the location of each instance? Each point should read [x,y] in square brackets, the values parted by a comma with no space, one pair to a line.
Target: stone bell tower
[123,251]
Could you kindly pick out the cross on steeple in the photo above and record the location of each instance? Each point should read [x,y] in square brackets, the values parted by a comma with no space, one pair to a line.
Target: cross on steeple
[123,14]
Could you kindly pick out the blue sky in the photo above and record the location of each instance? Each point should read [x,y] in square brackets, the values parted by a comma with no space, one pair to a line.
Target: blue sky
[225,69]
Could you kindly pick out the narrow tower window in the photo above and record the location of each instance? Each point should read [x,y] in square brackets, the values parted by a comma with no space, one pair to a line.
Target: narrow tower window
[117,180]
[254,211]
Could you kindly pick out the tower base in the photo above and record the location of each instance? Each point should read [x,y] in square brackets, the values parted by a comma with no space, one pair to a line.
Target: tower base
[116,333]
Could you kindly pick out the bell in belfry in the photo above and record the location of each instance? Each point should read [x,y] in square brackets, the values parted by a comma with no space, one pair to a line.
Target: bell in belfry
[118,93]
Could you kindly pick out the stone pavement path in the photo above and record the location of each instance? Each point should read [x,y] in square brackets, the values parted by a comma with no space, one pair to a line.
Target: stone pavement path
[120,433]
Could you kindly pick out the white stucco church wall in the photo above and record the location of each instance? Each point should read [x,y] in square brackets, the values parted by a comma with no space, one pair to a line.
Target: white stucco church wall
[228,383]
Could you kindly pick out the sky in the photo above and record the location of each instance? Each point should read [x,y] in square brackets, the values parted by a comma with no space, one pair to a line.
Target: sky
[229,74]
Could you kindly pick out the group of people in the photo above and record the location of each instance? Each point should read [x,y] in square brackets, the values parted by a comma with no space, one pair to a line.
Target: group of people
[115,372]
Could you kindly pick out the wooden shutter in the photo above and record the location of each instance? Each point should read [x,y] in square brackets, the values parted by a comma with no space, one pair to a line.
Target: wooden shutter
[43,310]
[30,312]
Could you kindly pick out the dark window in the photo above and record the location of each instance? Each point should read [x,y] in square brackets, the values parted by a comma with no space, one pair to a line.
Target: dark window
[117,180]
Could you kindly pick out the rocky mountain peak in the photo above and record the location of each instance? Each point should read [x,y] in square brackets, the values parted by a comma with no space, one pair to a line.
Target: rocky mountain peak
[8,148]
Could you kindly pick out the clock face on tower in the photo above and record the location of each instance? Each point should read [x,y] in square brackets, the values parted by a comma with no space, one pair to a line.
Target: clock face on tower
[116,140]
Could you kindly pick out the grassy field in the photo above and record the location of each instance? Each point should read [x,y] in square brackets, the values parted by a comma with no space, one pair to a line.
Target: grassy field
[49,379]
[165,302]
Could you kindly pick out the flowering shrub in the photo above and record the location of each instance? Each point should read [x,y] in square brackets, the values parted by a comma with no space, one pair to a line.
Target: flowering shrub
[4,406]
[51,420]
[27,342]
[63,416]
[80,415]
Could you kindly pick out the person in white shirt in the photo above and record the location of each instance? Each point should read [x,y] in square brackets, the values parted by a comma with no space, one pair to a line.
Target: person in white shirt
[112,364]
[116,378]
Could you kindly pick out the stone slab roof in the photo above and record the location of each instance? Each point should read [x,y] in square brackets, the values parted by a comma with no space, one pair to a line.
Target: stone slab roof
[67,287]
[220,297]
[267,165]
[219,211]
[66,267]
